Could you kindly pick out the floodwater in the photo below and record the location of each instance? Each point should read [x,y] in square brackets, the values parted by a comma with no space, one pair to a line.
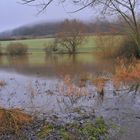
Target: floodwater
[54,65]
[36,83]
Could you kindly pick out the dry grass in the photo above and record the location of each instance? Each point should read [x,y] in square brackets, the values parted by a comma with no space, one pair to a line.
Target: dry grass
[99,83]
[2,83]
[126,73]
[68,88]
[12,120]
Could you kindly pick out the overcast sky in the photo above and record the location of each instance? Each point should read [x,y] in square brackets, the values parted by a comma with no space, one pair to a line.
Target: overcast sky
[13,14]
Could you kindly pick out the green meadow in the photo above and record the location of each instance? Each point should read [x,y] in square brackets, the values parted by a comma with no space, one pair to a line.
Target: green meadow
[37,45]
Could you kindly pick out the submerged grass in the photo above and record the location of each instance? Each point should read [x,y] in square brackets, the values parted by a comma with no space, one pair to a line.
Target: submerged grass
[2,83]
[91,130]
[88,130]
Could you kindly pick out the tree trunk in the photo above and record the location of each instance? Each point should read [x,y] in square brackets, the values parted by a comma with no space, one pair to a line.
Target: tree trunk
[73,49]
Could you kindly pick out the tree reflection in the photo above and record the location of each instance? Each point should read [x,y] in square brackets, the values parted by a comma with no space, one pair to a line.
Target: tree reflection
[18,61]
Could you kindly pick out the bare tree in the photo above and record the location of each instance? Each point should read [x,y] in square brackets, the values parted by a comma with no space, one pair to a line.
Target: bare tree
[71,35]
[128,10]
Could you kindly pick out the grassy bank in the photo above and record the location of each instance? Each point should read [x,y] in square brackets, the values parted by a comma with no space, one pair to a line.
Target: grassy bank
[103,46]
[38,45]
[18,125]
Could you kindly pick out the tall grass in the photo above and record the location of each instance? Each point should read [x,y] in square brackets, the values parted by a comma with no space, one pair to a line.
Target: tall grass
[68,88]
[111,46]
[127,72]
[108,45]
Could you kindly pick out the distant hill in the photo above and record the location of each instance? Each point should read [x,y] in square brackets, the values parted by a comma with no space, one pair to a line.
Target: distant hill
[40,29]
[49,29]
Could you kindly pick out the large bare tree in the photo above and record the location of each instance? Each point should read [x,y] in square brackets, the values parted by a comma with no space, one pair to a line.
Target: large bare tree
[71,35]
[128,10]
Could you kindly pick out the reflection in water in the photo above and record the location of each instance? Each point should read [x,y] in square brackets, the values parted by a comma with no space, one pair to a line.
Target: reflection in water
[56,64]
[39,95]
[51,58]
[42,96]
[78,64]
[18,61]
[57,59]
[0,59]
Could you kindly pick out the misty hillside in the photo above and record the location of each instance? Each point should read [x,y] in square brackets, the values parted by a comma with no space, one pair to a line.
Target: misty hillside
[40,29]
[50,29]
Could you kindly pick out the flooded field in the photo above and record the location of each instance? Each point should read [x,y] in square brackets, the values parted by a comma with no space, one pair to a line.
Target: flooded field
[49,86]
[55,65]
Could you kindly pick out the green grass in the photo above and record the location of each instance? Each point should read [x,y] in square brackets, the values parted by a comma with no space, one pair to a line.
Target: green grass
[89,45]
[33,43]
[37,45]
[75,131]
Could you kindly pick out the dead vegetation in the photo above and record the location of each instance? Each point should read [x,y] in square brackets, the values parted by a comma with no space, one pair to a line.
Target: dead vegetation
[126,73]
[12,120]
[99,83]
[68,88]
[2,83]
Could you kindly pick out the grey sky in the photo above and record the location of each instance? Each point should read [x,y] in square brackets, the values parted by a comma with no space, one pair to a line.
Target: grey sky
[13,14]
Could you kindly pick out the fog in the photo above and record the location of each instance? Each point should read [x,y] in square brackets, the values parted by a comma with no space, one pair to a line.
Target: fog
[14,14]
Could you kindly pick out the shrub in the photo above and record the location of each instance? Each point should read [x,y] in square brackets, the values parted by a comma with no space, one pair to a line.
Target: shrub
[128,48]
[116,46]
[17,49]
[51,47]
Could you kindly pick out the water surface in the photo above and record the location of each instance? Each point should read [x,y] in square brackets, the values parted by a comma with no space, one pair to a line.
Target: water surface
[34,83]
[55,65]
